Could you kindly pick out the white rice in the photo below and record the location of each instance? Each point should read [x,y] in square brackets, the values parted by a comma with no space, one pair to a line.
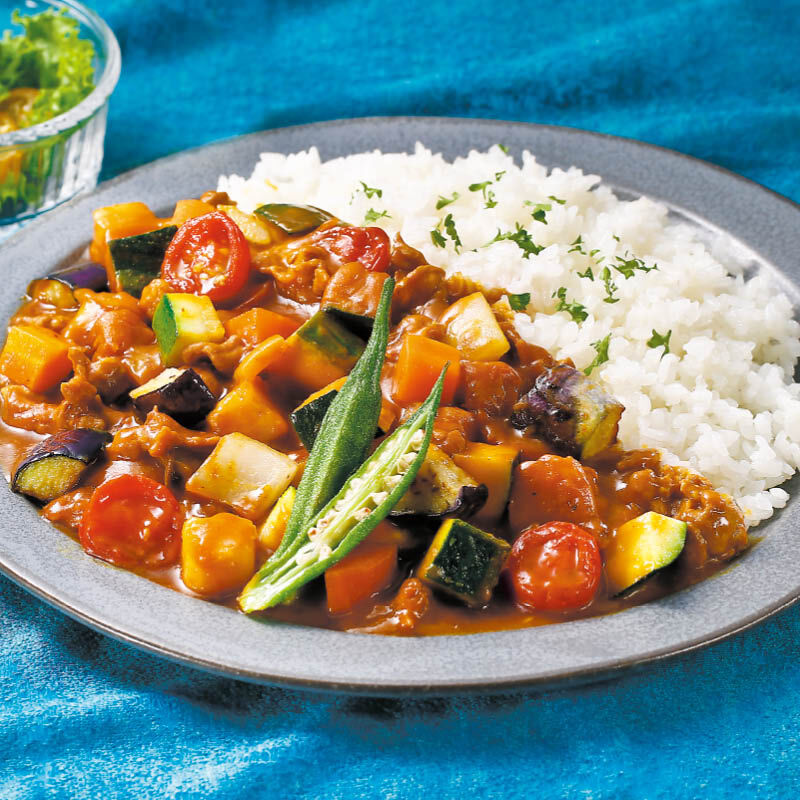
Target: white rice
[722,401]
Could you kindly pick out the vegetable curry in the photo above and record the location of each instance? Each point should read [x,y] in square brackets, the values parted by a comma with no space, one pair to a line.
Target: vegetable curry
[296,416]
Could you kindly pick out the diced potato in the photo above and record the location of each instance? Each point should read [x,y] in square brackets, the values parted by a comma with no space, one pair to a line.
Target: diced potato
[249,410]
[473,329]
[218,554]
[245,474]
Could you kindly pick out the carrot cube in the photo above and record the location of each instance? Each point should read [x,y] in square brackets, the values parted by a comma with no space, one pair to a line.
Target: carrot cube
[258,324]
[420,362]
[368,569]
[35,357]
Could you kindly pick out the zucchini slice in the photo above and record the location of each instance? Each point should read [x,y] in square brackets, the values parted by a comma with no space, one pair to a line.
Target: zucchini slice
[642,546]
[441,489]
[136,260]
[183,319]
[293,219]
[464,562]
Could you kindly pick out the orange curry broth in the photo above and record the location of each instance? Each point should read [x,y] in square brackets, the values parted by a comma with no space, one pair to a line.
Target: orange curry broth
[288,280]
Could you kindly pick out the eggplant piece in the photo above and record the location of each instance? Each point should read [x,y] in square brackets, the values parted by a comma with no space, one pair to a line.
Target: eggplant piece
[181,393]
[87,275]
[571,410]
[441,489]
[55,465]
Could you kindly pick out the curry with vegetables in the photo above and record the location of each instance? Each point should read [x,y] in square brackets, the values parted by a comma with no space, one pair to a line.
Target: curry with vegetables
[297,417]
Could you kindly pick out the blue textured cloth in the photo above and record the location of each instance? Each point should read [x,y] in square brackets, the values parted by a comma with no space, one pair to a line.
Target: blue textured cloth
[85,716]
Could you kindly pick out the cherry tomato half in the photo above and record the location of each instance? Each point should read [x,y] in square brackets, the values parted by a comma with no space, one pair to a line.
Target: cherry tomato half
[133,521]
[555,567]
[208,255]
[369,246]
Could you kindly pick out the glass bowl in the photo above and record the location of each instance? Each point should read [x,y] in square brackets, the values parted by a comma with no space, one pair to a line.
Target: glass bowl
[46,164]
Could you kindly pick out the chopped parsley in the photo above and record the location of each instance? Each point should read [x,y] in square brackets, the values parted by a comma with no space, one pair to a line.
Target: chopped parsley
[371,191]
[556,200]
[611,287]
[539,211]
[574,309]
[601,348]
[587,274]
[577,246]
[373,216]
[519,302]
[483,188]
[614,236]
[445,201]
[629,266]
[438,239]
[499,175]
[521,238]
[450,230]
[659,340]
[503,148]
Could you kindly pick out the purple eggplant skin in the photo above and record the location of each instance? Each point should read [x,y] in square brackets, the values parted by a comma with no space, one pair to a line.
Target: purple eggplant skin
[55,465]
[185,397]
[571,410]
[87,275]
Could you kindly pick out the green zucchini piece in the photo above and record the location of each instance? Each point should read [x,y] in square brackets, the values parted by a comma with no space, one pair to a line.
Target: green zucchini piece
[184,319]
[293,219]
[359,324]
[642,546]
[464,562]
[364,500]
[441,489]
[136,260]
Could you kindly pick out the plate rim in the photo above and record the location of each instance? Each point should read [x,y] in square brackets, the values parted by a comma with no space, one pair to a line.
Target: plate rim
[596,671]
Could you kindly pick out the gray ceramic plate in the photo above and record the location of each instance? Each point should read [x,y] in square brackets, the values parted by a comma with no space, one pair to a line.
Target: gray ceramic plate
[119,603]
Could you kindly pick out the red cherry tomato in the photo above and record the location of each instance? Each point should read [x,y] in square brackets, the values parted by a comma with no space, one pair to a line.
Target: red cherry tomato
[133,521]
[208,255]
[555,567]
[369,246]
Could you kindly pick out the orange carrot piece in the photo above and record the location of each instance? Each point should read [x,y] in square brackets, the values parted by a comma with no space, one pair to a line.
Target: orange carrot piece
[368,569]
[258,324]
[421,360]
[35,357]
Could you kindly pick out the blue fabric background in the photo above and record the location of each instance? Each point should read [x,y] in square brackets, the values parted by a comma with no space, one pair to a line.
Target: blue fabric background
[84,716]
